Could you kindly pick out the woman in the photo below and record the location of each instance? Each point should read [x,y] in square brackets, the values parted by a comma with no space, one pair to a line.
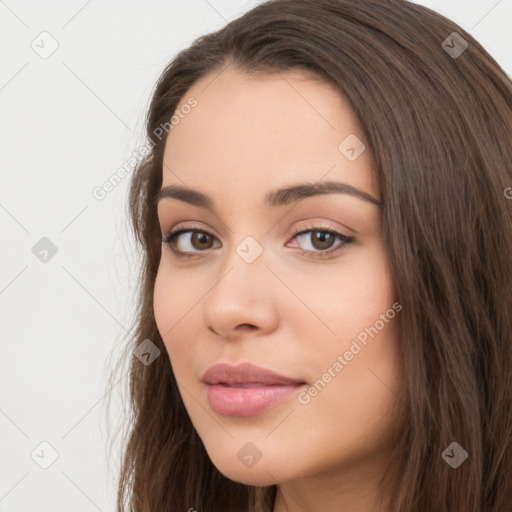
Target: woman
[326,292]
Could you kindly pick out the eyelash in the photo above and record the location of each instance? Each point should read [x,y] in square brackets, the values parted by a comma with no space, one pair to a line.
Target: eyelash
[172,235]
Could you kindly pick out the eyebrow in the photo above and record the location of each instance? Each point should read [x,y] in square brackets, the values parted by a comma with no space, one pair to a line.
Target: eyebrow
[275,198]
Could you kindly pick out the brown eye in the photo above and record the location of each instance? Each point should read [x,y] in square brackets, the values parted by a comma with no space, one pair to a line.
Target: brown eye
[200,240]
[189,241]
[321,242]
[322,239]
[186,243]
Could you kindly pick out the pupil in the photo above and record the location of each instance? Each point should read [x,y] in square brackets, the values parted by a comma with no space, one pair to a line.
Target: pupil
[324,238]
[201,238]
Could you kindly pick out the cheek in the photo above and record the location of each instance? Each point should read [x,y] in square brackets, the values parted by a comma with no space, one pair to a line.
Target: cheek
[162,298]
[176,304]
[350,409]
[168,310]
[345,299]
[358,308]
[173,299]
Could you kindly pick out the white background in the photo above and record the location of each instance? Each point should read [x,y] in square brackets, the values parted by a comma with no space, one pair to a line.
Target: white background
[67,124]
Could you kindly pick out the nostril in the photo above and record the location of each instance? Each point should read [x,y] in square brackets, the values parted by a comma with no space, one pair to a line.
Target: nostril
[248,327]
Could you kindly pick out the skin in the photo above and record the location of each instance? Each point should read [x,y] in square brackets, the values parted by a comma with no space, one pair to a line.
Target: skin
[286,311]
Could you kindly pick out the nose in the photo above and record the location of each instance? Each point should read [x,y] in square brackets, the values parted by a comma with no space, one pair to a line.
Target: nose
[243,299]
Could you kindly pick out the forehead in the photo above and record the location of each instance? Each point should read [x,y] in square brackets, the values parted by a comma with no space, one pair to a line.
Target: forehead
[262,129]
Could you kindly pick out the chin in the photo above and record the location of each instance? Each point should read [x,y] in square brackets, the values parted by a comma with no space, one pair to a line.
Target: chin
[250,476]
[242,469]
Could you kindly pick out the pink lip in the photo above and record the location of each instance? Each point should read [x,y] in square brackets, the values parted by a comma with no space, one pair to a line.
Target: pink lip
[246,389]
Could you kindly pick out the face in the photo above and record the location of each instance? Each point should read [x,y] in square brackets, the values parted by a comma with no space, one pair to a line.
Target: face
[296,283]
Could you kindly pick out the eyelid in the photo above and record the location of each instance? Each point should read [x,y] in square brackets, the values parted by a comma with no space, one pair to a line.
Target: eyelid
[192,226]
[318,225]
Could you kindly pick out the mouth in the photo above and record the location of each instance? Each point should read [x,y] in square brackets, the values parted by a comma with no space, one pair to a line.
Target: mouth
[248,399]
[246,390]
[247,385]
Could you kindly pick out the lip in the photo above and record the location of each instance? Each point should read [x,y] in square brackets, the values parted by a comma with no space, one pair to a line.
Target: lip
[246,389]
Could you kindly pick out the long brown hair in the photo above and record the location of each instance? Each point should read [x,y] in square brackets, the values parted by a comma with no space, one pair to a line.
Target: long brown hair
[438,118]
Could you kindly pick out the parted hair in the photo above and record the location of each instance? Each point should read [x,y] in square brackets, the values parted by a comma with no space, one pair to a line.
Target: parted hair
[439,124]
